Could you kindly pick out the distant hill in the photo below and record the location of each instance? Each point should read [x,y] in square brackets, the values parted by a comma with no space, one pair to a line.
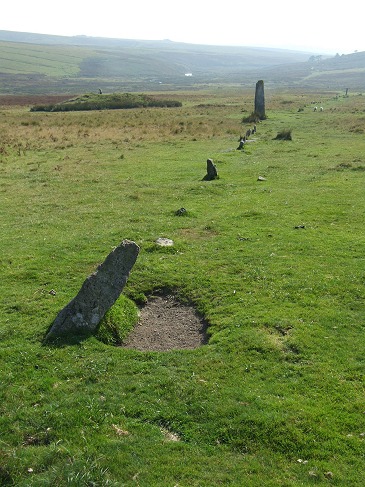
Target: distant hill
[335,73]
[39,64]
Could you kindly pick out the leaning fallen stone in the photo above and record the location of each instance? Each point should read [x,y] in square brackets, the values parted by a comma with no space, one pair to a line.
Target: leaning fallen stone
[98,293]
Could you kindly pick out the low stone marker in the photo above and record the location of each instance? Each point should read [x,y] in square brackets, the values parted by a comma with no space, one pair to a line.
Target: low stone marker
[181,212]
[164,242]
[212,172]
[242,141]
[98,293]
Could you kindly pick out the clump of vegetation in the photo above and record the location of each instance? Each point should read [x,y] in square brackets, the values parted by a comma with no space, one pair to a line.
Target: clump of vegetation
[114,101]
[252,118]
[284,135]
[118,321]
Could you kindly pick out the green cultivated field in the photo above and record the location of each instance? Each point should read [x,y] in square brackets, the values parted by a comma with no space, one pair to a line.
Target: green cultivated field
[276,267]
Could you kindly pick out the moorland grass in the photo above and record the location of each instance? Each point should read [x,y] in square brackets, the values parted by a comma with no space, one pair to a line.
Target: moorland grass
[276,267]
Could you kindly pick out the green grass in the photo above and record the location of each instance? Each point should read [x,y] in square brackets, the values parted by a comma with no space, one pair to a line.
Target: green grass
[275,266]
[118,322]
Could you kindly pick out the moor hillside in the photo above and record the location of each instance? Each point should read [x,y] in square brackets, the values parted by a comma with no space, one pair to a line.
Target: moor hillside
[44,64]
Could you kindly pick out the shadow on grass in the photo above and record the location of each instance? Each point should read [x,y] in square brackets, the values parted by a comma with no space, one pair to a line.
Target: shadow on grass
[65,339]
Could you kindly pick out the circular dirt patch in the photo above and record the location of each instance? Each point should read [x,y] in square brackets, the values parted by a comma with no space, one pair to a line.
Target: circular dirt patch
[166,324]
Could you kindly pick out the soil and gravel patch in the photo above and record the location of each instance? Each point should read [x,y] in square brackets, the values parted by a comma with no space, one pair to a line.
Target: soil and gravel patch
[166,324]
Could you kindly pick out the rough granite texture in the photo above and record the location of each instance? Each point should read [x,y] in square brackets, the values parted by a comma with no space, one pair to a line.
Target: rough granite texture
[98,293]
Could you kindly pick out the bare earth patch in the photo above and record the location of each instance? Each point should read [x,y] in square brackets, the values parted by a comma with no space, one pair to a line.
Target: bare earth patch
[166,324]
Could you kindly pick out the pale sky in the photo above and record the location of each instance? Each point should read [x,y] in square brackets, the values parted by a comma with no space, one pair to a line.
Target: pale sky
[309,25]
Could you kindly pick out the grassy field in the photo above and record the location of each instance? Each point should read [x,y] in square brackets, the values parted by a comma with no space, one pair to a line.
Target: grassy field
[275,266]
[20,58]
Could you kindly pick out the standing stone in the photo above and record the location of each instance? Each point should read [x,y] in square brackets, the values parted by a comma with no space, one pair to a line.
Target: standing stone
[97,294]
[212,172]
[260,100]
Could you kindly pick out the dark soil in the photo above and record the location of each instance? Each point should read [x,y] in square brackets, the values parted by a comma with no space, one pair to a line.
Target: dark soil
[166,324]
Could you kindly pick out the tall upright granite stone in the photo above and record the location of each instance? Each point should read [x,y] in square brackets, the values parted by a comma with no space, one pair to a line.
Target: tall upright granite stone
[98,293]
[260,100]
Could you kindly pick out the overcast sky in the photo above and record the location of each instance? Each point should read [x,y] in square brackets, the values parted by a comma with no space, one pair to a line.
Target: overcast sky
[310,25]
